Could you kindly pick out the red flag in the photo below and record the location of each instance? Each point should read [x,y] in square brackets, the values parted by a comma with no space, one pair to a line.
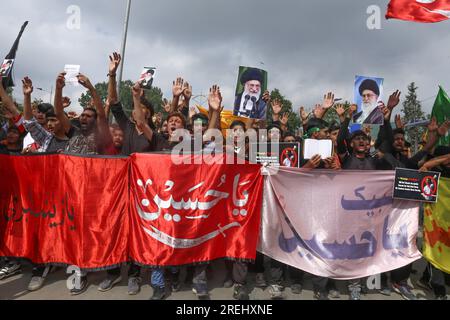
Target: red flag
[419,10]
[97,212]
[185,214]
[64,210]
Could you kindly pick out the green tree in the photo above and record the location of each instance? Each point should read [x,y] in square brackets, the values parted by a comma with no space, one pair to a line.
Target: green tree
[153,95]
[412,110]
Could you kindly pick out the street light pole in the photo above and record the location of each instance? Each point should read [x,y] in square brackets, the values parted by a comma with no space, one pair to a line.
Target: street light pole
[124,43]
[51,93]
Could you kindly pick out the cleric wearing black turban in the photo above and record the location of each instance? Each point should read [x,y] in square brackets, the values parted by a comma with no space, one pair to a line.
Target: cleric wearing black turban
[370,112]
[249,103]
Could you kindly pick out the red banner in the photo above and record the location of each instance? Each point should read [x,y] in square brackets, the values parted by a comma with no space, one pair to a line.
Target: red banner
[63,209]
[193,213]
[84,211]
[419,10]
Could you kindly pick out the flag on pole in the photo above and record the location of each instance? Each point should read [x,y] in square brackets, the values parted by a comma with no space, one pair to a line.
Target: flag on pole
[441,111]
[9,59]
[419,10]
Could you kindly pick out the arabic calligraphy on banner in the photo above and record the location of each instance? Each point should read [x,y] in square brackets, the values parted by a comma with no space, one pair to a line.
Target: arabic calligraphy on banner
[62,209]
[193,213]
[91,212]
[341,225]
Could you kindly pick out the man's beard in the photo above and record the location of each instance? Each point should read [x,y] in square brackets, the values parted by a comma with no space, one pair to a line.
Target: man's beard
[368,107]
[252,95]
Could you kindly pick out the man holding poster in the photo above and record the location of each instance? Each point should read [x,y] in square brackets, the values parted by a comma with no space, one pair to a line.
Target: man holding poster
[251,85]
[368,92]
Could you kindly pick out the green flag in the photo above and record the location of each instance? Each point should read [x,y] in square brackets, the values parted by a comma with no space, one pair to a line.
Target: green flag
[441,111]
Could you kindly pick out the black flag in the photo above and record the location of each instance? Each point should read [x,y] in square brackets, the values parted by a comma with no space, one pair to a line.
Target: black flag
[8,81]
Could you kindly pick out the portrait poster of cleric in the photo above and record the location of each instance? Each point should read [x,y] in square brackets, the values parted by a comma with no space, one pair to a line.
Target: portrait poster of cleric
[6,67]
[146,78]
[252,83]
[368,95]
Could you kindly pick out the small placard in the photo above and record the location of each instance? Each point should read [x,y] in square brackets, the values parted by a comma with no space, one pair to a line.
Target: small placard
[276,154]
[72,71]
[416,186]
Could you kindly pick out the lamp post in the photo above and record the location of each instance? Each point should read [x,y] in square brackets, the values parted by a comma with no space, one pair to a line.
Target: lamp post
[51,93]
[124,44]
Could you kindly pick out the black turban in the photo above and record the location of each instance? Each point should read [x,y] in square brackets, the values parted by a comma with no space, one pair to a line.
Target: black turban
[371,85]
[251,74]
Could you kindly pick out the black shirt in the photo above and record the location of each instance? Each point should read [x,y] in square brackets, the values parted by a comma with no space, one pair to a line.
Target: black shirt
[133,141]
[396,159]
[351,162]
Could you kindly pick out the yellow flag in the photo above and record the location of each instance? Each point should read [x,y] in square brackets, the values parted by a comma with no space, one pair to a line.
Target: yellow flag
[436,248]
[226,118]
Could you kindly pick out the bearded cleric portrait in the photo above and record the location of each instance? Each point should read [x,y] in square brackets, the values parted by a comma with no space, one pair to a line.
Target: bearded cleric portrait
[368,94]
[251,85]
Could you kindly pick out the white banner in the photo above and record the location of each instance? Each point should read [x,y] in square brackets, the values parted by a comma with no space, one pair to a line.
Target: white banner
[341,224]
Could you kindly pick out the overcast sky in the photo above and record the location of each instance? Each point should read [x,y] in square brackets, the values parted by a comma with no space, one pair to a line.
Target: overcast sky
[308,47]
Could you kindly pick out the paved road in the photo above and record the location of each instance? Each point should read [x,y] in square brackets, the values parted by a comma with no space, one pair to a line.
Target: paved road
[55,288]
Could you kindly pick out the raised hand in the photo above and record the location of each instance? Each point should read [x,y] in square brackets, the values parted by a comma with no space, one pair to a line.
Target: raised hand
[66,102]
[285,119]
[318,111]
[27,90]
[303,114]
[394,100]
[398,122]
[385,110]
[178,87]
[187,91]
[276,106]
[352,110]
[215,98]
[136,90]
[328,100]
[114,62]
[167,105]
[266,97]
[340,110]
[61,81]
[27,86]
[84,81]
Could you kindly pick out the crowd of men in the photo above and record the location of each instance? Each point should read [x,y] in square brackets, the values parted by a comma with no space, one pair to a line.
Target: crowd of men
[46,128]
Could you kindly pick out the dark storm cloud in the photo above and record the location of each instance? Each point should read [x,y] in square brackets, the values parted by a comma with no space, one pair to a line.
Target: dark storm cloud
[308,47]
